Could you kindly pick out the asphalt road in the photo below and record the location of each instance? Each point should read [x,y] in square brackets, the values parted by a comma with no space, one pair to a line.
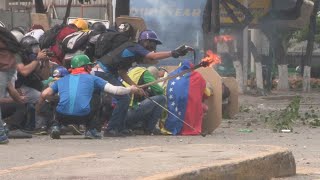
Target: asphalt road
[73,157]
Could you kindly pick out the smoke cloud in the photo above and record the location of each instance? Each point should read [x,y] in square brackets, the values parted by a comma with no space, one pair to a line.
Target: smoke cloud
[175,22]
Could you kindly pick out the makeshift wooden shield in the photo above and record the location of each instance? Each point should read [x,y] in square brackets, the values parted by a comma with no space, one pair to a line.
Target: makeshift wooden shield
[214,115]
[137,23]
[232,107]
[42,19]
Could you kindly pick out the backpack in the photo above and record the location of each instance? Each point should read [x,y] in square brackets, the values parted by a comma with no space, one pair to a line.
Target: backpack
[109,41]
[49,37]
[75,41]
[90,46]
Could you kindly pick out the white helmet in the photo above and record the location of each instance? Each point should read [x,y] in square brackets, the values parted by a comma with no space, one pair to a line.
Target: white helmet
[17,34]
[2,25]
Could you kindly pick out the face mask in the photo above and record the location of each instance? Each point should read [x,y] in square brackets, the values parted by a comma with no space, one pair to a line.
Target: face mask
[150,45]
[35,48]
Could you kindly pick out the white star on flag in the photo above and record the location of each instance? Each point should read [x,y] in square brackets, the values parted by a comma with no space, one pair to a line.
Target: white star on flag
[170,97]
[173,104]
[171,89]
[173,83]
[176,109]
[179,113]
[178,78]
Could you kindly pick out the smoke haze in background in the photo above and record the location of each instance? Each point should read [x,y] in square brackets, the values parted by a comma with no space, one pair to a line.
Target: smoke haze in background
[175,22]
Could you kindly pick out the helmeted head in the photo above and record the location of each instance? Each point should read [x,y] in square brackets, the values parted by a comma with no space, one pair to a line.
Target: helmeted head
[149,35]
[36,26]
[30,44]
[80,60]
[17,34]
[98,27]
[149,40]
[60,71]
[154,71]
[80,23]
[126,29]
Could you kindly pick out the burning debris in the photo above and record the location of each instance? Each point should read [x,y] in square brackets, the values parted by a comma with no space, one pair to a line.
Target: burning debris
[211,59]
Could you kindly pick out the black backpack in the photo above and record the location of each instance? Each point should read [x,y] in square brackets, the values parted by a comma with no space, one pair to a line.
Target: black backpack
[49,37]
[75,41]
[109,41]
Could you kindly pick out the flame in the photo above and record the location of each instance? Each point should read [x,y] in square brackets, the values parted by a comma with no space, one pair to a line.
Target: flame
[211,59]
[223,38]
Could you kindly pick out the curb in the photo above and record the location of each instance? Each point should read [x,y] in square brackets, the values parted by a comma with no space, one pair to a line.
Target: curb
[279,163]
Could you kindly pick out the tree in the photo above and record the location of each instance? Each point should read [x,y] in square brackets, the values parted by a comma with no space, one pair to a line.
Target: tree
[279,36]
[211,24]
[241,73]
[311,38]
[122,7]
[39,6]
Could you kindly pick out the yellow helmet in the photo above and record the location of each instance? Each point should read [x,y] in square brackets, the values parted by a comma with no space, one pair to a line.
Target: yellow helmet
[80,23]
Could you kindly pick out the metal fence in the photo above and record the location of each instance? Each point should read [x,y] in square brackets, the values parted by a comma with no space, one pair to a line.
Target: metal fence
[14,19]
[56,11]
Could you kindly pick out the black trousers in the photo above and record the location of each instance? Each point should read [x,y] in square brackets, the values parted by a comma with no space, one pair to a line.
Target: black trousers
[14,114]
[62,119]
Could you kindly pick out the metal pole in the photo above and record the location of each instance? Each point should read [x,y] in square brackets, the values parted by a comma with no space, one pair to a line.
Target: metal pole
[245,53]
[202,134]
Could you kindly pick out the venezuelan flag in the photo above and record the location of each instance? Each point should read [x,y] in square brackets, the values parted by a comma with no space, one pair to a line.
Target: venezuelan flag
[184,98]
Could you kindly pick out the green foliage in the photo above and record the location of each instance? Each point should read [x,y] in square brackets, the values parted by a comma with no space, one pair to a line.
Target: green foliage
[311,117]
[302,35]
[285,118]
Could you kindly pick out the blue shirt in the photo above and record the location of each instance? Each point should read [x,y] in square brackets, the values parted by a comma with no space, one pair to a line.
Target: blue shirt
[75,93]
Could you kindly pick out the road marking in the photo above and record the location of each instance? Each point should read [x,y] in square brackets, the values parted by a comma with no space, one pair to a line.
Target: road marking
[44,163]
[139,148]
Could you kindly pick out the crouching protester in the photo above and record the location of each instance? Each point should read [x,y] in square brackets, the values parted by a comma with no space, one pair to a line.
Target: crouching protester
[116,64]
[9,48]
[145,113]
[75,91]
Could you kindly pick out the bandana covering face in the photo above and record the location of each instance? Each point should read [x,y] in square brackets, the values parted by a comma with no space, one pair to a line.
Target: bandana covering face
[80,70]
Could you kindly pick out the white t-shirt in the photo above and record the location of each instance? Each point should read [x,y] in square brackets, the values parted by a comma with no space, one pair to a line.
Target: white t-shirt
[36,33]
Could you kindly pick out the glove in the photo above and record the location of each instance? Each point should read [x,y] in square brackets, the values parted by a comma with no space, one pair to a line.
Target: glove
[180,51]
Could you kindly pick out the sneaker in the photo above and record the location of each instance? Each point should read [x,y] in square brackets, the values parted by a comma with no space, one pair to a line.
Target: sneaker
[75,130]
[139,132]
[92,134]
[127,132]
[64,130]
[3,138]
[18,134]
[55,132]
[113,133]
[42,131]
[156,131]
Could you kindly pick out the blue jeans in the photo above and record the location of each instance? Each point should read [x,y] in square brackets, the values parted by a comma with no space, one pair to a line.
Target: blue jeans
[117,120]
[5,77]
[147,112]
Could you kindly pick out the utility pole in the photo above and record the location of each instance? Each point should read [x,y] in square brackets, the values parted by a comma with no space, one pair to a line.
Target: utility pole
[309,51]
[245,53]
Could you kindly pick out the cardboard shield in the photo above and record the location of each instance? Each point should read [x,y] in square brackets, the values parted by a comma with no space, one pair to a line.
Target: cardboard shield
[137,23]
